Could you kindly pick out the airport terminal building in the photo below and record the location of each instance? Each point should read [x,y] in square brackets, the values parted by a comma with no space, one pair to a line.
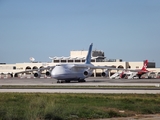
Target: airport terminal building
[98,59]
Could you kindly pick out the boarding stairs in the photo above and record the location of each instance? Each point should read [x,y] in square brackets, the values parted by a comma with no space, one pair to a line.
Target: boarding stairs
[115,75]
[132,75]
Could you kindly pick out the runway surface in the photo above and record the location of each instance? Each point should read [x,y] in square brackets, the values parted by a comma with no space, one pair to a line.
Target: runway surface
[89,81]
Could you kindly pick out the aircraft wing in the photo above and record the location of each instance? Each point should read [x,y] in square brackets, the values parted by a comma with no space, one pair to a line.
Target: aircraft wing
[138,70]
[106,67]
[40,69]
[132,70]
[81,66]
[96,67]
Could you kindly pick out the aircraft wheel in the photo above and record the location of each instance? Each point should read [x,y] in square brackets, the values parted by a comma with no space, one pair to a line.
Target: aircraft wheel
[58,81]
[62,81]
[79,81]
[139,77]
[82,80]
[67,81]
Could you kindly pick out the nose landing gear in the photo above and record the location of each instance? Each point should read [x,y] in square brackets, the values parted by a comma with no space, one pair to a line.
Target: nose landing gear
[63,81]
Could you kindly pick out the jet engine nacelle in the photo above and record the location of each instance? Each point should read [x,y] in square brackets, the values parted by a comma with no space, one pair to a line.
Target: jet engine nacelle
[86,73]
[15,75]
[48,73]
[37,74]
[105,73]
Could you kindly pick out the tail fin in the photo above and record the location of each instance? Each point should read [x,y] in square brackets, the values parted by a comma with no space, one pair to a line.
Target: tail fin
[145,65]
[88,57]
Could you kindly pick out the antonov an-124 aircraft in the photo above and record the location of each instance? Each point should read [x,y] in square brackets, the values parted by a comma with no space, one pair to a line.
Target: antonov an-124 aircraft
[71,72]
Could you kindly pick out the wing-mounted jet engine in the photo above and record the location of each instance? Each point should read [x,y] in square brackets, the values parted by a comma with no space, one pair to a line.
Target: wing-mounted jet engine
[37,74]
[87,72]
[105,73]
[48,73]
[15,75]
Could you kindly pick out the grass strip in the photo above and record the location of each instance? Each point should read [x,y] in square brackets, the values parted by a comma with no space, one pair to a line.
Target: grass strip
[29,106]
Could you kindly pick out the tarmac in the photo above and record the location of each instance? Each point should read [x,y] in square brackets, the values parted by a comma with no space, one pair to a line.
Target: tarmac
[89,82]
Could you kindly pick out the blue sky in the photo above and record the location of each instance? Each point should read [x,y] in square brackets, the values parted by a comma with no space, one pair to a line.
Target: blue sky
[125,29]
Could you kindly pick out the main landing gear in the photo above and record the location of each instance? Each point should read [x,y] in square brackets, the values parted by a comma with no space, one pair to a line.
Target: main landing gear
[82,80]
[63,81]
[68,81]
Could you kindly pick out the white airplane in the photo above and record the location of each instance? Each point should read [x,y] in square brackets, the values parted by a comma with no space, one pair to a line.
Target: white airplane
[71,72]
[76,72]
[131,73]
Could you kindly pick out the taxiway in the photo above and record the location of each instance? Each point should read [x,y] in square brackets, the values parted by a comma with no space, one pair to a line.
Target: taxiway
[89,81]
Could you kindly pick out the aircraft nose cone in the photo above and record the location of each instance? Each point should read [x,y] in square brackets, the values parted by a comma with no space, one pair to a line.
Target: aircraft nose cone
[60,72]
[57,72]
[54,75]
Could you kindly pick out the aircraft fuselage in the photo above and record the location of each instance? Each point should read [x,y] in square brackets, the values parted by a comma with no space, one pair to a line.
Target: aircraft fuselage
[68,72]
